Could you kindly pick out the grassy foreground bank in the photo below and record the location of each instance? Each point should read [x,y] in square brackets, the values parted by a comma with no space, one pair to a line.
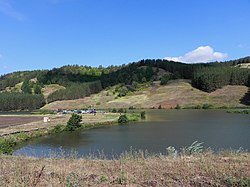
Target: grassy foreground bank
[204,169]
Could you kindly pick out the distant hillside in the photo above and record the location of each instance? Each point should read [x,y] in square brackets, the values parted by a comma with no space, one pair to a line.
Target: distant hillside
[175,92]
[75,82]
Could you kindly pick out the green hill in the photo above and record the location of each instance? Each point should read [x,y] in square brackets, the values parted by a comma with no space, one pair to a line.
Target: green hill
[147,83]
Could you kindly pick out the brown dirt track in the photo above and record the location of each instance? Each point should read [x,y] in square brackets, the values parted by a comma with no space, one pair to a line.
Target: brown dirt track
[6,121]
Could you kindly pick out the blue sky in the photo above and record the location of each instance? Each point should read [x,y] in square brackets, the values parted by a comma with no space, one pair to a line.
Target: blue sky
[42,34]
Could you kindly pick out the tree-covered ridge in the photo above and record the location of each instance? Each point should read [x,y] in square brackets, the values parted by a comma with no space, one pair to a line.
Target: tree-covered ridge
[113,74]
[81,81]
[239,61]
[74,73]
[11,79]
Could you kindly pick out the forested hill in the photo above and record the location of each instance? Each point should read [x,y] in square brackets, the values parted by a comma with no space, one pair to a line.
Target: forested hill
[81,81]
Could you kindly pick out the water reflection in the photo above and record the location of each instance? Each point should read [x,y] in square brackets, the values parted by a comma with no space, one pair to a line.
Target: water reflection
[216,128]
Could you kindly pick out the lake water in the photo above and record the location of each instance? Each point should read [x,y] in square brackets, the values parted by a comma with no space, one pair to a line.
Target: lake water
[216,128]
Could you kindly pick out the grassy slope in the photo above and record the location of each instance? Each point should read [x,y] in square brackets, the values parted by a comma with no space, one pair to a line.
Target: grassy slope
[175,92]
[48,89]
[206,169]
[243,65]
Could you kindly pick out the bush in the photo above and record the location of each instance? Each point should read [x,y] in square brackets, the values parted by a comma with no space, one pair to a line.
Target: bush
[113,110]
[207,106]
[123,91]
[6,145]
[134,117]
[143,115]
[123,119]
[198,107]
[164,79]
[121,110]
[74,122]
[177,107]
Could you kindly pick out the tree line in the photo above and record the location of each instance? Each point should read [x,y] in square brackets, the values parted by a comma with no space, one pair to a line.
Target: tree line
[11,79]
[81,81]
[212,78]
[20,101]
[75,91]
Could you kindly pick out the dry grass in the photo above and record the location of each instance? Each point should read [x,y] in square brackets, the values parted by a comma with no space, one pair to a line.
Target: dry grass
[48,89]
[243,65]
[201,170]
[175,92]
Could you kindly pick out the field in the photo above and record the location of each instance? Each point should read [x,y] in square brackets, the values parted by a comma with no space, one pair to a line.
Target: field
[6,121]
[17,124]
[175,92]
[206,169]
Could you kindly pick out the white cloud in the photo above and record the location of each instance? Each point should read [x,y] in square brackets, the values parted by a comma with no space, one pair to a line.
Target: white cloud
[7,9]
[201,54]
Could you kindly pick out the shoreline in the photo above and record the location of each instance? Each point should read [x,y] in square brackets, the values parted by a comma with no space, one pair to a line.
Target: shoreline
[10,140]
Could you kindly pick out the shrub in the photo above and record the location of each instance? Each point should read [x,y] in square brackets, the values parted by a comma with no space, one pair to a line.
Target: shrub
[74,122]
[123,91]
[177,107]
[198,107]
[113,110]
[133,117]
[143,115]
[123,119]
[6,145]
[121,110]
[207,106]
[164,79]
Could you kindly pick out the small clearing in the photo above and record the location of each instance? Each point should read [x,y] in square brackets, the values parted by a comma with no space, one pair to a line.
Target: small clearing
[49,89]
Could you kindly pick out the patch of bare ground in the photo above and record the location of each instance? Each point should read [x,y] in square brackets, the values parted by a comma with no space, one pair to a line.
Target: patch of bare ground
[175,92]
[204,169]
[27,126]
[6,121]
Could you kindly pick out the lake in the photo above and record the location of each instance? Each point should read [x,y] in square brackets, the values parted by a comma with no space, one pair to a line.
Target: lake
[162,128]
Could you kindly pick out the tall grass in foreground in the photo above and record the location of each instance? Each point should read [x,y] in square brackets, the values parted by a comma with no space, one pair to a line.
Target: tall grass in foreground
[133,168]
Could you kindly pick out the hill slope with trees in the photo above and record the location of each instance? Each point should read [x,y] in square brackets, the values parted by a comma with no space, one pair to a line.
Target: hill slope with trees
[75,82]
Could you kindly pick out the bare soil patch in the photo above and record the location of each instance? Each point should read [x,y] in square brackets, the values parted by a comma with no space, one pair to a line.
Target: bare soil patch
[6,121]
